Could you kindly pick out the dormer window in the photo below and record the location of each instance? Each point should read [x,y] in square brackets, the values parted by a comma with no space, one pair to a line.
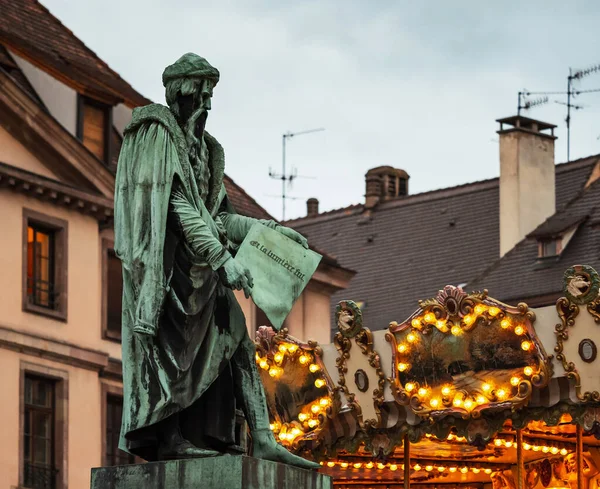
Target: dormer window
[549,247]
[93,127]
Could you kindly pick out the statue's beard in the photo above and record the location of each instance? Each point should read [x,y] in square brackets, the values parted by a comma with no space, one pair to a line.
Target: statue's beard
[194,127]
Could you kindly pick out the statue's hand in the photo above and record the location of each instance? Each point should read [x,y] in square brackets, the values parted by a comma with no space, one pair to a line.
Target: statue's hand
[295,235]
[236,277]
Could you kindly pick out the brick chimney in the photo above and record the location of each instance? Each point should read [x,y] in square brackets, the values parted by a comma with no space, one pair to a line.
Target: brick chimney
[312,207]
[527,173]
[385,183]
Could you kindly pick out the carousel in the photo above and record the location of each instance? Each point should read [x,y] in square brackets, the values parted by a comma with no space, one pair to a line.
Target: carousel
[466,393]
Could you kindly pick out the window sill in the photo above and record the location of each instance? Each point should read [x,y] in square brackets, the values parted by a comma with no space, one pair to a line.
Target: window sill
[43,311]
[111,336]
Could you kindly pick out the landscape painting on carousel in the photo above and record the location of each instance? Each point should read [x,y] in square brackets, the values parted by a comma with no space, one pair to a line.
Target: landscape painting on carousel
[465,353]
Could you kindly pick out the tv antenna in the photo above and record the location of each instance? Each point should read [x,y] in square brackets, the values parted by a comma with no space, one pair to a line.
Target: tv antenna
[578,75]
[526,103]
[283,176]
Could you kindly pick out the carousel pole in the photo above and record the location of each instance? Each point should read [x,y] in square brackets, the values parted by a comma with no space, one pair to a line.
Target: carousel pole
[579,456]
[406,462]
[520,461]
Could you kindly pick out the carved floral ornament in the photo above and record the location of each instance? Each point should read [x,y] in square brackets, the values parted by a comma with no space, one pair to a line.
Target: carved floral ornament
[581,287]
[370,375]
[463,354]
[298,389]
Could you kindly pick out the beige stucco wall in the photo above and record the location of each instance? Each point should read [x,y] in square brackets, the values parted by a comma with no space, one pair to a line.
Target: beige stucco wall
[84,444]
[12,152]
[60,99]
[83,326]
[527,176]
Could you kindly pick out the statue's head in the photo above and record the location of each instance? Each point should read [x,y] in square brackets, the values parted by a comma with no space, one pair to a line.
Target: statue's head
[189,84]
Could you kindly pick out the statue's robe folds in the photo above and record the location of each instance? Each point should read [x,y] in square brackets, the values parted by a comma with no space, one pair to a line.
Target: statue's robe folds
[180,325]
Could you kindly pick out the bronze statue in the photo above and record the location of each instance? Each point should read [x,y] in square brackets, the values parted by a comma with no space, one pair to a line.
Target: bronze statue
[187,356]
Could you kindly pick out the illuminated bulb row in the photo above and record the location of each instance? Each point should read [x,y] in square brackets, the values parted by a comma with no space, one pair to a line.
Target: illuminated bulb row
[416,467]
[276,370]
[501,442]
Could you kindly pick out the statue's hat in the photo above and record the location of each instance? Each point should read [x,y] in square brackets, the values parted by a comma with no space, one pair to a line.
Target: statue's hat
[190,65]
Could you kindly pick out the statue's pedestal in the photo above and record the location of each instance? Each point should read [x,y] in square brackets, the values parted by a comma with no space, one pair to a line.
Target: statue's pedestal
[224,472]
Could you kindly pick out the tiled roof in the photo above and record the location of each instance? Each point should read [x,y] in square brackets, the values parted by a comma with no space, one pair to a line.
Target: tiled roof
[29,29]
[519,274]
[242,202]
[410,247]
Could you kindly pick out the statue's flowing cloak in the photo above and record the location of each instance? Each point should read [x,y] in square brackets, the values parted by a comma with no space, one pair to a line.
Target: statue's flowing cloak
[180,325]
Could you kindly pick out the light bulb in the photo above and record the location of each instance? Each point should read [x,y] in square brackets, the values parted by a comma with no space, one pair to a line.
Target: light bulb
[564,451]
[505,324]
[312,423]
[292,348]
[296,431]
[409,387]
[468,319]
[526,446]
[456,330]
[494,311]
[468,404]
[319,383]
[526,345]
[501,394]
[537,448]
[528,371]
[508,444]
[457,402]
[446,390]
[282,348]
[313,368]
[486,387]
[417,467]
[302,417]
[324,402]
[441,469]
[315,408]
[514,381]
[422,391]
[274,372]
[344,465]
[380,466]
[479,309]
[498,442]
[545,449]
[402,347]
[476,470]
[416,323]
[330,464]
[488,471]
[278,357]
[282,435]
[464,470]
[554,450]
[452,469]
[411,337]
[264,364]
[519,330]
[369,465]
[429,317]
[429,468]
[435,402]
[393,467]
[304,359]
[481,399]
[440,324]
[403,367]
[357,465]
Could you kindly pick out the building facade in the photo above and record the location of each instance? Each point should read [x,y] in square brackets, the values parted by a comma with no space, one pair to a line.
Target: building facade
[62,115]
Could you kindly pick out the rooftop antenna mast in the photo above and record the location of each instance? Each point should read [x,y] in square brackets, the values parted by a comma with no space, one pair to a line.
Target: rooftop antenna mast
[526,104]
[576,76]
[283,176]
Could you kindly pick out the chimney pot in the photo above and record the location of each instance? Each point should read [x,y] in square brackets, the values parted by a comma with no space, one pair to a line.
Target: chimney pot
[385,183]
[312,207]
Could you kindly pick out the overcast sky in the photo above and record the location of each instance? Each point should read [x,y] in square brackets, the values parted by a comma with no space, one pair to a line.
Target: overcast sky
[415,85]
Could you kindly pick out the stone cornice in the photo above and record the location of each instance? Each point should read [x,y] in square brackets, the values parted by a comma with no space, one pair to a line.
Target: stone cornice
[52,349]
[55,192]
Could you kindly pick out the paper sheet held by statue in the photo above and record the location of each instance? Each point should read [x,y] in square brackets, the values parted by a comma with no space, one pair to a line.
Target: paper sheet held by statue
[280,268]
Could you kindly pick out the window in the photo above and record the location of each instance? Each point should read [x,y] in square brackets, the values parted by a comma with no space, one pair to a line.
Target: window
[403,186]
[44,264]
[112,283]
[39,469]
[93,127]
[548,248]
[40,266]
[114,413]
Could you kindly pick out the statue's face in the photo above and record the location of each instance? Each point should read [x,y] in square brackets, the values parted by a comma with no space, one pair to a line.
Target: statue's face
[204,95]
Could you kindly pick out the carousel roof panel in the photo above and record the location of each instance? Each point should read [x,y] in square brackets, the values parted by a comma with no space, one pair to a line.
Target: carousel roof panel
[406,248]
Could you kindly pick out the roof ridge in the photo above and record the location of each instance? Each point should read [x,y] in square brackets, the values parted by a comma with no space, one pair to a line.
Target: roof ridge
[560,167]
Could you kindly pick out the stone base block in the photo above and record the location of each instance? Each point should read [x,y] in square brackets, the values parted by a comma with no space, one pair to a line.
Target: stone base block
[224,472]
